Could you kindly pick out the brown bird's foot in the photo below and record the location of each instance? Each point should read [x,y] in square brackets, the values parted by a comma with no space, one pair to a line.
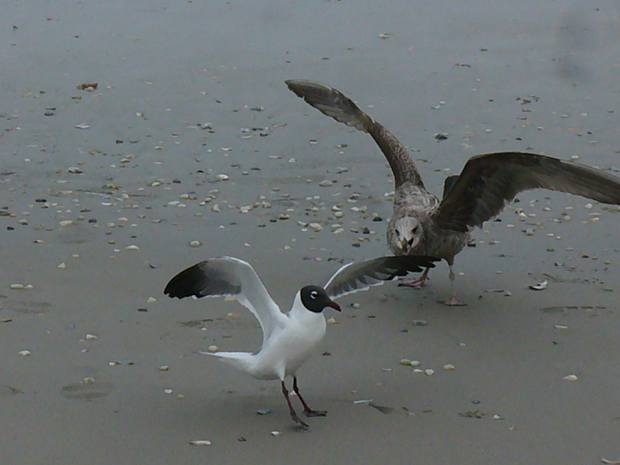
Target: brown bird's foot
[412,282]
[315,413]
[453,302]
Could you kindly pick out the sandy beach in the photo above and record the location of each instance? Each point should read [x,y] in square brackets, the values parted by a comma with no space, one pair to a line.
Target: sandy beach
[185,132]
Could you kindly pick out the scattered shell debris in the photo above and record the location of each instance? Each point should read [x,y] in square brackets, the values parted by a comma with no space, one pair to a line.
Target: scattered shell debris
[200,442]
[540,286]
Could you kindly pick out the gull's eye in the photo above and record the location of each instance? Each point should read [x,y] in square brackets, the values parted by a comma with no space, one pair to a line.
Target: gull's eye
[314,295]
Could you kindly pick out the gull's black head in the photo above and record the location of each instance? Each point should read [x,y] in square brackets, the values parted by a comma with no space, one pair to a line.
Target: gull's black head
[316,299]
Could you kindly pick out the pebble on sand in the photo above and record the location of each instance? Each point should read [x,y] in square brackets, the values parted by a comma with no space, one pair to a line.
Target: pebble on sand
[200,442]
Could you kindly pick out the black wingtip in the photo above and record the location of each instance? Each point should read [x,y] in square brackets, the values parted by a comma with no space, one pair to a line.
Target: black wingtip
[187,283]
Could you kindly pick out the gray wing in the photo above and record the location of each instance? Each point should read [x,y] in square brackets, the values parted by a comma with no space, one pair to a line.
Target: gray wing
[488,182]
[224,276]
[334,103]
[359,276]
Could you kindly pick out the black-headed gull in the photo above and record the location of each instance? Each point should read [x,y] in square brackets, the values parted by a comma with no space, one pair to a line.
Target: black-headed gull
[421,223]
[288,338]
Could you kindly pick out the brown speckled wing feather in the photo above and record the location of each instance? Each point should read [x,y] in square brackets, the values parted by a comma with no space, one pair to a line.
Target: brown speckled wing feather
[334,103]
[488,182]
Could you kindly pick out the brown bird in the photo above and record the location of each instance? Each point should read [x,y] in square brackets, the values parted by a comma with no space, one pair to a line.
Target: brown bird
[424,225]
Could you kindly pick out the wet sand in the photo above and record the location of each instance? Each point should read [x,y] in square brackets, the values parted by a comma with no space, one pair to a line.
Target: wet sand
[95,221]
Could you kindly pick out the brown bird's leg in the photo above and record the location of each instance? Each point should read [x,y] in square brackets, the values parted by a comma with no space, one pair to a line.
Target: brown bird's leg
[294,416]
[307,410]
[413,281]
[453,302]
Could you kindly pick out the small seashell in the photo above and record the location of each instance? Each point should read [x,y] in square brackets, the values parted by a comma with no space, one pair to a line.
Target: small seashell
[88,380]
[276,433]
[332,321]
[540,286]
[150,300]
[74,170]
[222,177]
[132,247]
[213,348]
[17,286]
[571,378]
[164,368]
[24,353]
[90,337]
[326,183]
[62,266]
[448,367]
[195,244]
[168,391]
[200,442]
[429,372]
[406,362]
[65,222]
[415,363]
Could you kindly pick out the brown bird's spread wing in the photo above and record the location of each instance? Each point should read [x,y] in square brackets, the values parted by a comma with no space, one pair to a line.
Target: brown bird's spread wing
[334,103]
[488,182]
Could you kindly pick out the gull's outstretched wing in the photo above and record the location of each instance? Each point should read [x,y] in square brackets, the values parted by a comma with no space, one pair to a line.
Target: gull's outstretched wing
[332,102]
[359,276]
[488,182]
[223,276]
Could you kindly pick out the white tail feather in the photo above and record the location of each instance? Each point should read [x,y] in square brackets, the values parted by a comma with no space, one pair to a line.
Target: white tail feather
[242,360]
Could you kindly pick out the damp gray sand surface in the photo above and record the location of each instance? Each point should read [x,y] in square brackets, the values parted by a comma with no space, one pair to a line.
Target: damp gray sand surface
[139,138]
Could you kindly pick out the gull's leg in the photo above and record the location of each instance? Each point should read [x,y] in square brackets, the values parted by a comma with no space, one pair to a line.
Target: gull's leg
[453,302]
[294,416]
[307,410]
[413,281]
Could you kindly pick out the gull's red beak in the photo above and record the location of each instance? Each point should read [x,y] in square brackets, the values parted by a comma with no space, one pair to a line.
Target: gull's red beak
[334,305]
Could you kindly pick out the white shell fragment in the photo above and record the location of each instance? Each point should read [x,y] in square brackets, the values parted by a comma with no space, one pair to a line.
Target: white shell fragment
[276,433]
[164,368]
[90,337]
[448,367]
[571,378]
[540,286]
[429,372]
[200,442]
[17,286]
[24,353]
[132,247]
[195,244]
